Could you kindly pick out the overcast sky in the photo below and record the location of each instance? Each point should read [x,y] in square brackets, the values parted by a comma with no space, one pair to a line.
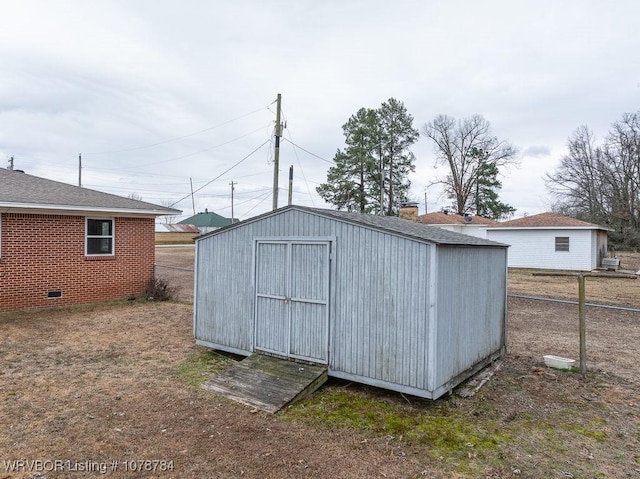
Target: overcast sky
[155,94]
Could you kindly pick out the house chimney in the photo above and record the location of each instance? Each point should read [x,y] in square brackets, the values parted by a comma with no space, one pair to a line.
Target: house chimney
[409,211]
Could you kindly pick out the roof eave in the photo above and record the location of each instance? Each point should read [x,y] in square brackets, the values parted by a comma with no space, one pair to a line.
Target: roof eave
[64,209]
[594,227]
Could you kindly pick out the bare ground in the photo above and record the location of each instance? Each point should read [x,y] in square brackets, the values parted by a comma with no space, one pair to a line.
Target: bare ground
[104,383]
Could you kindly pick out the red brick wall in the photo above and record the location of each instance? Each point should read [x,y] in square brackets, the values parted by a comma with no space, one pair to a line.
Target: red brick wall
[43,253]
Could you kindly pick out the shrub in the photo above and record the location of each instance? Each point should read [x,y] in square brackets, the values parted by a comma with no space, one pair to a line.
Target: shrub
[159,290]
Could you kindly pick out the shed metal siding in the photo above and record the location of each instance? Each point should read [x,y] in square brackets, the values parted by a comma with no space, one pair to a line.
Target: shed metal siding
[535,248]
[224,313]
[471,308]
[382,298]
[380,326]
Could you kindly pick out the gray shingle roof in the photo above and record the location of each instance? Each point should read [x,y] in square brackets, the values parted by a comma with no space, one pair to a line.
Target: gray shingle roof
[391,224]
[413,229]
[21,190]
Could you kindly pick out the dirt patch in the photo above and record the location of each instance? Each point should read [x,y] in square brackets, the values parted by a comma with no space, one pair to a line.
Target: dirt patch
[119,383]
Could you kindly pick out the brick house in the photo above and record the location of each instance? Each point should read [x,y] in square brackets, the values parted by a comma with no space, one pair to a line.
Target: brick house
[62,244]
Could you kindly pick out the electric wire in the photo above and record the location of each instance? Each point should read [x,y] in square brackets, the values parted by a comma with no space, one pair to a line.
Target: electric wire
[311,153]
[300,165]
[184,156]
[183,136]
[221,174]
[267,195]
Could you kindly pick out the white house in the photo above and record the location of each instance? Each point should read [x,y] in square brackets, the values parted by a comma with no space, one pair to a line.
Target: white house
[551,241]
[465,224]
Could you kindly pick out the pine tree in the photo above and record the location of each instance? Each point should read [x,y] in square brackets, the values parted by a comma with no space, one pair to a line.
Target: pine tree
[377,152]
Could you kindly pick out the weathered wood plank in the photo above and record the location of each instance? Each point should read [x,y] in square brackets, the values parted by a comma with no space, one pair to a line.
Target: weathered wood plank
[267,383]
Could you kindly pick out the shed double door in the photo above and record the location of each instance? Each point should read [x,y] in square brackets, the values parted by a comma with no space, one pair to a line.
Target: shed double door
[292,299]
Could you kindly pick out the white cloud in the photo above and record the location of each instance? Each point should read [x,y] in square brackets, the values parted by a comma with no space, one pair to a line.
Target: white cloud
[115,76]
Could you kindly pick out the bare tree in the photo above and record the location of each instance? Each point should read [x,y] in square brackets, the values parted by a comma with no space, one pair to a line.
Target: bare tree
[466,146]
[579,180]
[601,183]
[169,219]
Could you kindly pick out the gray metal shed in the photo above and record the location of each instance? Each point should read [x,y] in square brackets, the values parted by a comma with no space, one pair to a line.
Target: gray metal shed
[379,300]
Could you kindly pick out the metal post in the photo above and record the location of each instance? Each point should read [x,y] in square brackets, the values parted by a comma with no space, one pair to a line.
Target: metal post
[290,185]
[193,202]
[232,188]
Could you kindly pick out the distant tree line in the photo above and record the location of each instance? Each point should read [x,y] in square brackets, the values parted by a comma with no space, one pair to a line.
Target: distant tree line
[370,174]
[599,182]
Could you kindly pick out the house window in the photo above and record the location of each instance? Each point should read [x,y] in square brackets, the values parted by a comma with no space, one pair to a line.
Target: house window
[562,243]
[99,238]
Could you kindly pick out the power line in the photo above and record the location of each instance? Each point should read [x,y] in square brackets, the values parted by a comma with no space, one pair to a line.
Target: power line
[301,170]
[267,195]
[187,155]
[226,171]
[183,136]
[307,151]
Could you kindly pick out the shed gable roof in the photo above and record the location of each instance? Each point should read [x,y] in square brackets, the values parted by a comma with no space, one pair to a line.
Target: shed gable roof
[391,224]
[20,190]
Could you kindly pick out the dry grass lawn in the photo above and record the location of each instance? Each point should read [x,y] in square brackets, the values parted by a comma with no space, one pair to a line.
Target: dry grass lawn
[118,382]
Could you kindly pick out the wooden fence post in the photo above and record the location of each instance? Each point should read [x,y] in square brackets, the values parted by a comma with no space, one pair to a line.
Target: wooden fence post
[583,327]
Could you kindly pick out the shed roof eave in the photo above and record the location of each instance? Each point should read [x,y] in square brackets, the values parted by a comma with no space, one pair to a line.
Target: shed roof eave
[321,213]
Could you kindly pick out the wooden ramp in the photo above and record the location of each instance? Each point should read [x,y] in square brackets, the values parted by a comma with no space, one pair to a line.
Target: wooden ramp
[267,383]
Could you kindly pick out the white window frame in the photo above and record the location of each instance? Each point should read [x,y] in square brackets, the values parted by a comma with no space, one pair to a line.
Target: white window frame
[112,236]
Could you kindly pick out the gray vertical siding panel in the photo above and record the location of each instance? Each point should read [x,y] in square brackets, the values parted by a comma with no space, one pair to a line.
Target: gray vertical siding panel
[380,301]
[471,307]
[224,314]
[380,318]
[271,327]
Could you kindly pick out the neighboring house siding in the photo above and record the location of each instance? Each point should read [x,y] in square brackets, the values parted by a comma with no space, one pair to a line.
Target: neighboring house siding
[535,248]
[46,253]
[471,230]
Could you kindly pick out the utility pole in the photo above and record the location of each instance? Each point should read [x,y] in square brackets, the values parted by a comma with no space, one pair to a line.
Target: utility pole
[232,188]
[80,170]
[381,184]
[425,200]
[290,185]
[11,163]
[193,202]
[276,155]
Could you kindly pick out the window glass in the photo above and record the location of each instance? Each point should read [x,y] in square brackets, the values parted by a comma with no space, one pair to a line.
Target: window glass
[99,237]
[562,243]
